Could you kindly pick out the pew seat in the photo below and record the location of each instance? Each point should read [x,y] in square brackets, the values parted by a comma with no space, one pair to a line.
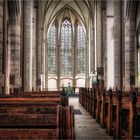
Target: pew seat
[35,115]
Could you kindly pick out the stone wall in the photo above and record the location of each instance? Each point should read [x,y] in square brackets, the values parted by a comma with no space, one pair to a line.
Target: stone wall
[1,45]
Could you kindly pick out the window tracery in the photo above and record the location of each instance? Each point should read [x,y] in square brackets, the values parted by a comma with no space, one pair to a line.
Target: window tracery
[81,50]
[66,48]
[66,57]
[52,50]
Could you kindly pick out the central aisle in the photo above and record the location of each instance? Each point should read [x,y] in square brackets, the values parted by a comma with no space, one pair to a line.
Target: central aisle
[85,126]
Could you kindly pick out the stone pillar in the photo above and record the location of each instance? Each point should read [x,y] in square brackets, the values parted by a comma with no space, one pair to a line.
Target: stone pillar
[86,65]
[14,47]
[99,41]
[87,80]
[92,51]
[5,47]
[130,48]
[34,48]
[117,43]
[38,46]
[1,46]
[42,60]
[104,43]
[42,49]
[98,35]
[110,44]
[46,62]
[27,45]
[92,48]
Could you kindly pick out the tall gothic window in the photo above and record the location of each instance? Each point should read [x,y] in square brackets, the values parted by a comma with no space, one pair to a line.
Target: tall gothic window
[81,50]
[66,48]
[52,50]
[65,63]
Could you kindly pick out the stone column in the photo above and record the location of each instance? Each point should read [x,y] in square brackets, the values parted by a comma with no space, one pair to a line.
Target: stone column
[42,48]
[46,61]
[87,62]
[38,46]
[88,57]
[110,44]
[130,48]
[117,43]
[14,46]
[98,35]
[42,61]
[99,41]
[92,53]
[5,47]
[27,44]
[34,49]
[92,48]
[1,46]
[104,43]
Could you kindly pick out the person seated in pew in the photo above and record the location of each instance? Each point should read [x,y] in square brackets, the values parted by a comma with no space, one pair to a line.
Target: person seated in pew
[63,92]
[64,97]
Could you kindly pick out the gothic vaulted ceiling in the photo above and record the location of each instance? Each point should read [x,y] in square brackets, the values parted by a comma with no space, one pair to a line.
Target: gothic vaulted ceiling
[83,10]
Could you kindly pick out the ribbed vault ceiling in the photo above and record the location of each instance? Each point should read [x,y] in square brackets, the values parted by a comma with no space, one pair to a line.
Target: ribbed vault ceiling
[80,9]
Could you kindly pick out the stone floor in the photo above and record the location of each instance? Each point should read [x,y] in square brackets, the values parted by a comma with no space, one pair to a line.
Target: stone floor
[85,126]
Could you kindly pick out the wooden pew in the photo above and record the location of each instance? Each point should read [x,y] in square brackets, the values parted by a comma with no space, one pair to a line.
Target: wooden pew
[136,110]
[97,109]
[50,95]
[63,99]
[94,102]
[123,118]
[103,108]
[82,96]
[100,106]
[113,116]
[90,101]
[38,126]
[133,117]
[35,116]
[116,111]
[40,93]
[35,92]
[87,98]
[97,100]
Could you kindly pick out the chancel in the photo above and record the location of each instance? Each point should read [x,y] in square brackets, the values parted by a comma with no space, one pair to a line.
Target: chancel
[68,66]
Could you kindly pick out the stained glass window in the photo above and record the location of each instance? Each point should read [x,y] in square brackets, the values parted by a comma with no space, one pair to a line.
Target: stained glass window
[66,48]
[81,50]
[52,50]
